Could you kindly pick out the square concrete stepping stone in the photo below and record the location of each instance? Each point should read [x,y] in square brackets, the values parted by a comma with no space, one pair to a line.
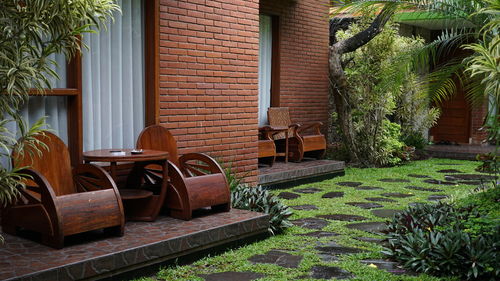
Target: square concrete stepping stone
[333,195]
[304,207]
[342,217]
[368,188]
[418,176]
[311,223]
[232,275]
[397,195]
[319,234]
[437,197]
[370,240]
[419,188]
[449,171]
[439,182]
[350,183]
[372,227]
[380,199]
[385,213]
[330,272]
[365,205]
[389,266]
[308,190]
[331,250]
[393,180]
[278,258]
[288,195]
[472,182]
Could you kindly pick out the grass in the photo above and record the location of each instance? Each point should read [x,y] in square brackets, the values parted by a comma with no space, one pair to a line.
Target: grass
[237,260]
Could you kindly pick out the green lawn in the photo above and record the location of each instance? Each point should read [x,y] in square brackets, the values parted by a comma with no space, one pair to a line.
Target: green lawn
[237,260]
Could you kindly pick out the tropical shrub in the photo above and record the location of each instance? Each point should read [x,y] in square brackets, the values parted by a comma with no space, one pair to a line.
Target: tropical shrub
[375,93]
[260,200]
[449,240]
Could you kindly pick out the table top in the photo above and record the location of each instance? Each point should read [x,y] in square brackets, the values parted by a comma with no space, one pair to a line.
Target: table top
[123,155]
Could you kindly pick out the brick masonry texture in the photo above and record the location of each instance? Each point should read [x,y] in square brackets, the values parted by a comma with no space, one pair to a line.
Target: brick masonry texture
[209,72]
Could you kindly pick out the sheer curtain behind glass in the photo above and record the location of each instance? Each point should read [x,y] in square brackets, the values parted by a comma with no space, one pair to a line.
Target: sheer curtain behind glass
[113,81]
[53,107]
[265,58]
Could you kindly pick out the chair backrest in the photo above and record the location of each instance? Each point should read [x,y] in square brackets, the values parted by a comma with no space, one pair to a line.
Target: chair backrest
[279,117]
[157,137]
[53,163]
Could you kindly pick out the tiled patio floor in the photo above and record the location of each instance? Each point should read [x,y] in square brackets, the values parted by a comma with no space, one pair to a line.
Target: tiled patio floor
[462,151]
[144,243]
[286,174]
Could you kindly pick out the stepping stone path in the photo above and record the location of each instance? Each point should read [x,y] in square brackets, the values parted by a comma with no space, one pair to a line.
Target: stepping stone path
[368,188]
[435,181]
[310,223]
[331,250]
[450,171]
[350,183]
[365,205]
[385,213]
[304,207]
[232,275]
[288,195]
[278,258]
[329,272]
[380,199]
[423,188]
[469,177]
[437,197]
[342,217]
[389,266]
[369,240]
[372,227]
[472,182]
[418,176]
[319,234]
[308,190]
[397,195]
[393,180]
[333,195]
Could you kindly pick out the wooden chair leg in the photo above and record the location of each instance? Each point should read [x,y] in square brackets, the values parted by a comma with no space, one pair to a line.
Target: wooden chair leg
[182,214]
[115,230]
[53,241]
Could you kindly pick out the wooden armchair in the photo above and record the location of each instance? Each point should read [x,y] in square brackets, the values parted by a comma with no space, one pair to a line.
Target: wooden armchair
[196,180]
[267,148]
[59,201]
[299,143]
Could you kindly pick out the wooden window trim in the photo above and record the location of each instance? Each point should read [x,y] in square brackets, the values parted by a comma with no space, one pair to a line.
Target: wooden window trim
[151,79]
[275,62]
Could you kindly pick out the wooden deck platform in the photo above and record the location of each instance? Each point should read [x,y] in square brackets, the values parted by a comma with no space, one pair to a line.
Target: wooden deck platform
[97,255]
[290,174]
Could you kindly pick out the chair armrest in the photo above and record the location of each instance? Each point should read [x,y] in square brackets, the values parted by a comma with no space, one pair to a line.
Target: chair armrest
[198,164]
[315,125]
[42,187]
[90,177]
[267,132]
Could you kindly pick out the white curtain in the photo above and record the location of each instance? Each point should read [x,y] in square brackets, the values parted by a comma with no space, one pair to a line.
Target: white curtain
[54,108]
[113,81]
[265,58]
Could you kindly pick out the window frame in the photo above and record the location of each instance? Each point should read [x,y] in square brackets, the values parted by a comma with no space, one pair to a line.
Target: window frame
[73,90]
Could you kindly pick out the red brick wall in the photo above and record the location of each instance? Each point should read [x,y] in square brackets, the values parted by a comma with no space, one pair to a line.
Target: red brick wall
[477,118]
[209,72]
[208,83]
[304,36]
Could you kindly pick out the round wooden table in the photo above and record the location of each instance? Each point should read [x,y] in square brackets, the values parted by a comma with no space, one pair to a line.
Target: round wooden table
[139,204]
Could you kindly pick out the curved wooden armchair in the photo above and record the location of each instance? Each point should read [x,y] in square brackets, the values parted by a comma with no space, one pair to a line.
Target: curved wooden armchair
[267,148]
[59,201]
[196,180]
[300,144]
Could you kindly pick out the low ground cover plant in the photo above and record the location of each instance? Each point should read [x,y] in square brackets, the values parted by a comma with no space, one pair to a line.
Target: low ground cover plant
[459,239]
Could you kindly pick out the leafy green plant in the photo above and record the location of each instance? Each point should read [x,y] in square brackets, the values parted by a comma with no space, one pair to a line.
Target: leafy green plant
[437,239]
[260,200]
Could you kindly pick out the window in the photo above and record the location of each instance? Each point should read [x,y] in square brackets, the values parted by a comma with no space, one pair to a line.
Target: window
[108,94]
